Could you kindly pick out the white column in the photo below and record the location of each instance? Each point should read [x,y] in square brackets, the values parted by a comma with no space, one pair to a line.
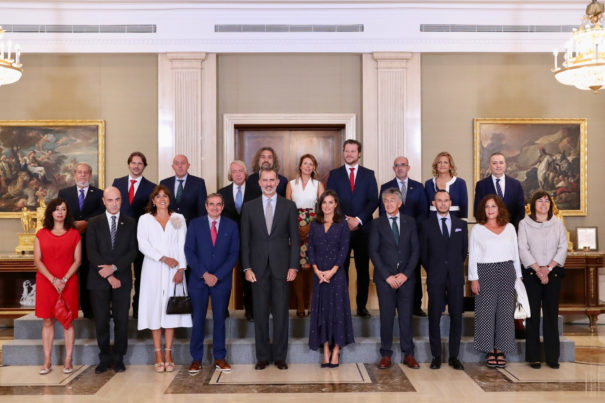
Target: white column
[391,112]
[187,113]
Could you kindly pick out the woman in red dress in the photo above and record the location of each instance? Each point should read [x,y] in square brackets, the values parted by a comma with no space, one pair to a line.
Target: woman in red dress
[57,251]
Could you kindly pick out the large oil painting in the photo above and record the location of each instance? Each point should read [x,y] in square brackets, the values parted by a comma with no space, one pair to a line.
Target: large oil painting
[548,154]
[37,158]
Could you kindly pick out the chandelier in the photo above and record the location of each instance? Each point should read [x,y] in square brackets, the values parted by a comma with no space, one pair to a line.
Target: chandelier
[10,64]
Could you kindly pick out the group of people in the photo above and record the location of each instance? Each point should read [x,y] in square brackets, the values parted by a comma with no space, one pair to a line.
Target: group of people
[179,240]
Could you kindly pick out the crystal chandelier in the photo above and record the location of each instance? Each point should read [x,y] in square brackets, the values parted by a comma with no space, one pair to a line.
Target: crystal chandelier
[10,64]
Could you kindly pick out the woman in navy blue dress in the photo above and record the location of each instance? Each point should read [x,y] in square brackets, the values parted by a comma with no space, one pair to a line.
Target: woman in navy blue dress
[444,177]
[331,324]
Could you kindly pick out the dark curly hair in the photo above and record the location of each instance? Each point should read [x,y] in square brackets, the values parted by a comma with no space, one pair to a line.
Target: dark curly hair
[319,214]
[503,217]
[256,159]
[49,221]
[151,207]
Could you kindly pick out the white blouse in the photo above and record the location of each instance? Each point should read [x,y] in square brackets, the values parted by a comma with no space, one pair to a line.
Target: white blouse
[488,247]
[307,197]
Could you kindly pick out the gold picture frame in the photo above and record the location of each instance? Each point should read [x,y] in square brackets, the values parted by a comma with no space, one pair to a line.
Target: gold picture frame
[37,159]
[547,154]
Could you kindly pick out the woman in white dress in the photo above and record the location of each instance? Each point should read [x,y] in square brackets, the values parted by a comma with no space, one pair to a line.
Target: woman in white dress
[161,234]
[304,191]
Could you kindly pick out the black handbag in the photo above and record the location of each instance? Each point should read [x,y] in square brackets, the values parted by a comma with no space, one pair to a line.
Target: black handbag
[178,305]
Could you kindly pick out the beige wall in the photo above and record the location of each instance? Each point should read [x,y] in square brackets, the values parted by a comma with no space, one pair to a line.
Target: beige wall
[120,89]
[302,83]
[459,87]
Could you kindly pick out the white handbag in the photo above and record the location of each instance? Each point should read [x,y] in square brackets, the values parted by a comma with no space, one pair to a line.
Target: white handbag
[520,312]
[522,304]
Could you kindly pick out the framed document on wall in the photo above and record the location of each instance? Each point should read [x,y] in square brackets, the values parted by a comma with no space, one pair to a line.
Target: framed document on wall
[586,238]
[38,157]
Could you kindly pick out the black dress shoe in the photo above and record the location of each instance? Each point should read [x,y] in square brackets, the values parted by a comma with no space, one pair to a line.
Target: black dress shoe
[261,365]
[553,365]
[119,366]
[455,363]
[535,365]
[249,316]
[282,364]
[419,312]
[363,313]
[435,363]
[102,367]
[227,313]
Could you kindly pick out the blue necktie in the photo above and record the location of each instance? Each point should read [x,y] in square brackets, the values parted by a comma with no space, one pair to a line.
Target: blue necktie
[499,189]
[238,200]
[444,230]
[81,199]
[395,229]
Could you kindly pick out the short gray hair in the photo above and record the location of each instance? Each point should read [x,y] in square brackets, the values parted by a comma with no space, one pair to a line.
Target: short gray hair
[392,192]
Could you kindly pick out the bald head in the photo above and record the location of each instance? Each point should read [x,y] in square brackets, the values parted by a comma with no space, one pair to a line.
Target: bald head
[112,199]
[401,166]
[180,164]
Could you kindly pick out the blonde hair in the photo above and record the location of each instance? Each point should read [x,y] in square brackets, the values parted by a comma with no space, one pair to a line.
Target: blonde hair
[451,160]
[241,164]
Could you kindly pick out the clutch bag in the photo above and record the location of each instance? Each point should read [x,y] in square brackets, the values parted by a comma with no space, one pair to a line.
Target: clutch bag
[62,312]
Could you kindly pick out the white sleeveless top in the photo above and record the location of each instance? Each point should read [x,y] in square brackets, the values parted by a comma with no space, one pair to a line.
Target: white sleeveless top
[306,198]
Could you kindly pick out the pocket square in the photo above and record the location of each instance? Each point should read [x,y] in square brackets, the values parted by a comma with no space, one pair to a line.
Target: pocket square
[457,229]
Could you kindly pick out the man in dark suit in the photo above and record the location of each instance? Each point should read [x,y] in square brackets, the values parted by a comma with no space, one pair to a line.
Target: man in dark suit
[85,201]
[414,205]
[509,189]
[187,192]
[394,251]
[444,240]
[265,157]
[358,193]
[135,190]
[234,197]
[270,253]
[212,249]
[112,246]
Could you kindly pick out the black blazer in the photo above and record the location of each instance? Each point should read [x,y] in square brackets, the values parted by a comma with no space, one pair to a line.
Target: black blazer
[415,205]
[255,191]
[278,251]
[443,259]
[388,257]
[93,202]
[193,200]
[513,196]
[98,244]
[141,197]
[229,210]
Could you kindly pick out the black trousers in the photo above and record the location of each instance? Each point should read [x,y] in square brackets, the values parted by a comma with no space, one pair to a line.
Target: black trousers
[359,244]
[85,304]
[418,289]
[137,267]
[547,297]
[439,294]
[106,303]
[390,300]
[270,295]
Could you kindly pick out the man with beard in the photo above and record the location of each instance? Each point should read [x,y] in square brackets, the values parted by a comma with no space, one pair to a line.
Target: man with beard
[265,158]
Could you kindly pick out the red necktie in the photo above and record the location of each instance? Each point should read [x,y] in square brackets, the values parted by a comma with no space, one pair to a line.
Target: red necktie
[213,233]
[352,179]
[131,190]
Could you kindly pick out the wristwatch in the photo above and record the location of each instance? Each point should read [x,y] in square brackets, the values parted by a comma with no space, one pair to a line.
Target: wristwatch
[64,279]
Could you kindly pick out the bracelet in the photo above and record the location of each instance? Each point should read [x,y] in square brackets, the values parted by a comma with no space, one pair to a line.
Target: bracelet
[53,280]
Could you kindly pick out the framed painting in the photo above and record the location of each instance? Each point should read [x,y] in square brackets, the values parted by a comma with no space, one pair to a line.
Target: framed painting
[547,154]
[38,158]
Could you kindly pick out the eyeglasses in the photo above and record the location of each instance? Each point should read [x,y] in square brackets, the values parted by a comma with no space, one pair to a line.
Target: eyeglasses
[402,165]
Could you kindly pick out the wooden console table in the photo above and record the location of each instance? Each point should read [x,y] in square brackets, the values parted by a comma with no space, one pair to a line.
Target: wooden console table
[580,287]
[14,270]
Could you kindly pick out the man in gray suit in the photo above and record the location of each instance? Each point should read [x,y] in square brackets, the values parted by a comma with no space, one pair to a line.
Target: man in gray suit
[270,249]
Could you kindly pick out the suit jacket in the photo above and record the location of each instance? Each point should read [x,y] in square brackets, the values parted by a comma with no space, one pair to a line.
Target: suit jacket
[98,245]
[141,197]
[388,257]
[229,209]
[415,205]
[359,203]
[253,187]
[93,202]
[443,259]
[193,200]
[203,257]
[277,252]
[513,196]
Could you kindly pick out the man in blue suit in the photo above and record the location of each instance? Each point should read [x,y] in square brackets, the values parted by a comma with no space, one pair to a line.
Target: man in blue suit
[509,189]
[212,249]
[358,193]
[444,243]
[135,191]
[188,192]
[413,205]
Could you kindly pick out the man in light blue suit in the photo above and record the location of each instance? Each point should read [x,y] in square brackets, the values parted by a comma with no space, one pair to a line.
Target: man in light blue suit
[212,249]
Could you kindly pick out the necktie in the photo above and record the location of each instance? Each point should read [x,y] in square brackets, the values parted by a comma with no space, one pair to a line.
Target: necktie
[404,191]
[444,230]
[238,200]
[114,229]
[81,199]
[179,190]
[352,179]
[499,189]
[131,191]
[213,233]
[269,216]
[395,229]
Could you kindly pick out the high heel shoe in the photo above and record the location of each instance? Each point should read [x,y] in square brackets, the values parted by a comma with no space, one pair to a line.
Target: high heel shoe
[332,365]
[159,366]
[169,364]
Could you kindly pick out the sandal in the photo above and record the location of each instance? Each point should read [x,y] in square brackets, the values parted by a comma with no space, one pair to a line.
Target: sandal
[491,360]
[169,365]
[501,360]
[45,370]
[159,366]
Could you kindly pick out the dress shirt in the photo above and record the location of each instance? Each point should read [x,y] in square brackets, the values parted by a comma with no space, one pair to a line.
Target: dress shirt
[136,184]
[273,203]
[356,169]
[176,183]
[448,222]
[218,222]
[85,190]
[502,183]
[400,181]
[487,247]
[243,186]
[398,221]
[109,218]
